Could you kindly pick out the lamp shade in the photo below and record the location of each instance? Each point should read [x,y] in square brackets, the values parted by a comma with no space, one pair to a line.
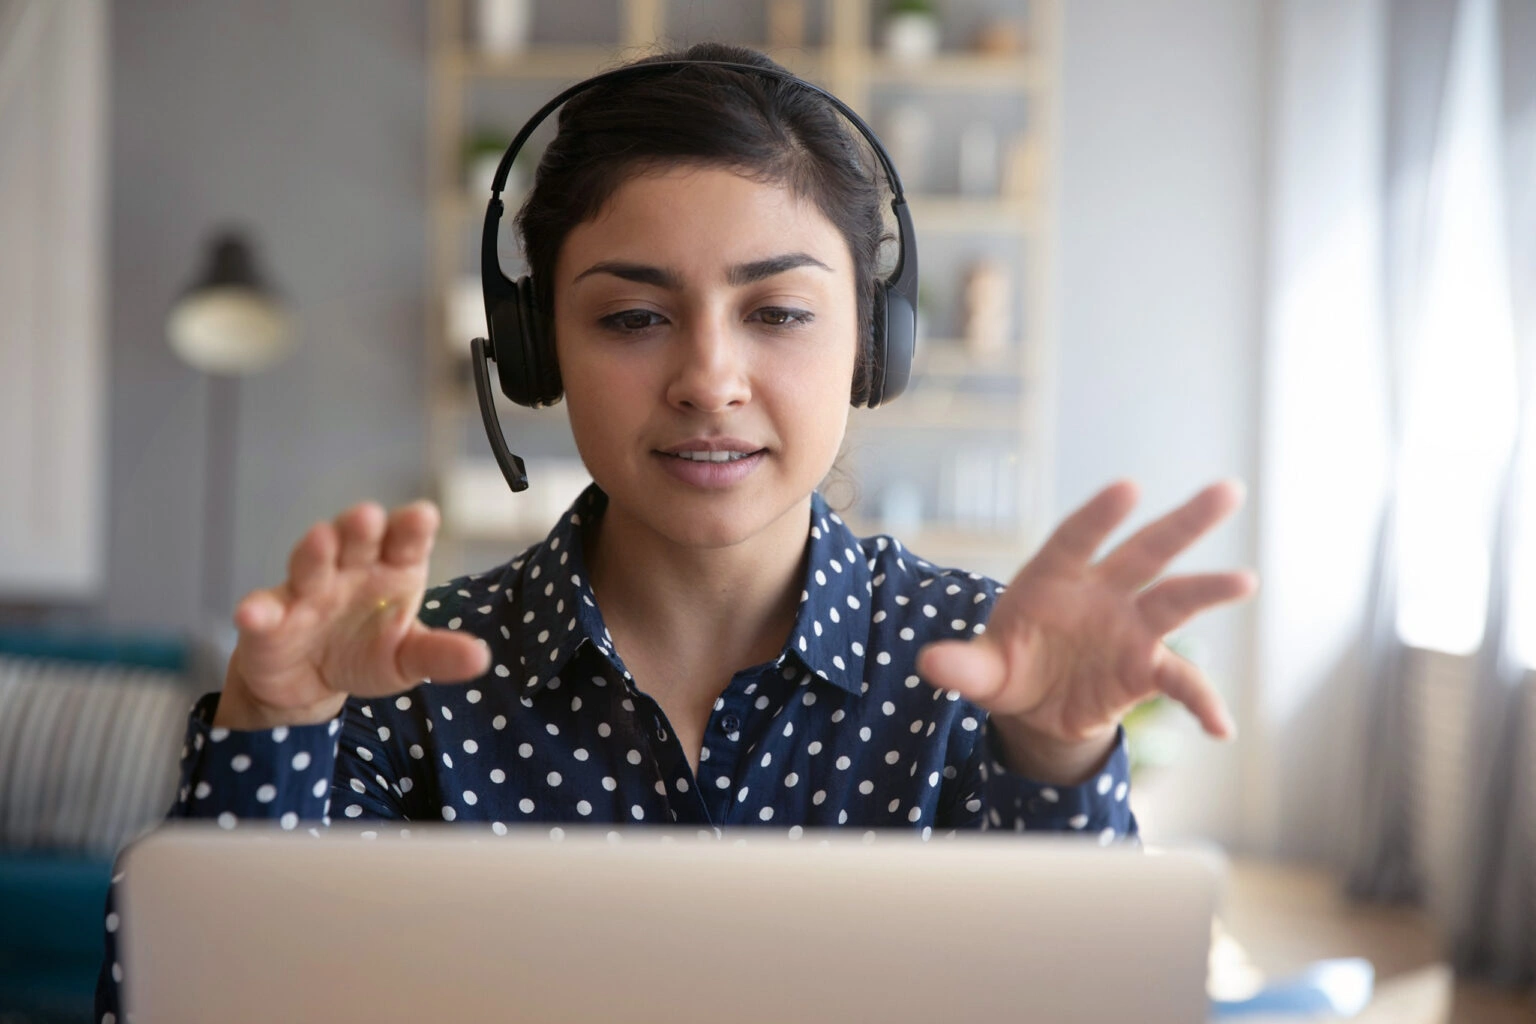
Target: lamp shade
[229,321]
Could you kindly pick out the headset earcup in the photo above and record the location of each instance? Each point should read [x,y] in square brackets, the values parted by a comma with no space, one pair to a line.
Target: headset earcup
[529,374]
[893,346]
[897,343]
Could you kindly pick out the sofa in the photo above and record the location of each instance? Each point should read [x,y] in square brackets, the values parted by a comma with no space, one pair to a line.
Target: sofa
[90,735]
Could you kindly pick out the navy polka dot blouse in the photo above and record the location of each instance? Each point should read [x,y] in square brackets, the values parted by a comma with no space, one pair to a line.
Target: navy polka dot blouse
[838,730]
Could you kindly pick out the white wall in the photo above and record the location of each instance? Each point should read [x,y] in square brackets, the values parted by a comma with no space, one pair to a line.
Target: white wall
[1161,240]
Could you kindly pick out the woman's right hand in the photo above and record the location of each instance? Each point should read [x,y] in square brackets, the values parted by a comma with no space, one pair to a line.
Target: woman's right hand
[343,623]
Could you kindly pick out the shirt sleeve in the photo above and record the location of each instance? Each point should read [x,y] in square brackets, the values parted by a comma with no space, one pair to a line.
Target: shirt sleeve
[992,798]
[288,774]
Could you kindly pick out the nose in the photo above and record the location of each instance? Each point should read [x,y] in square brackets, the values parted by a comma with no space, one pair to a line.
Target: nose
[711,373]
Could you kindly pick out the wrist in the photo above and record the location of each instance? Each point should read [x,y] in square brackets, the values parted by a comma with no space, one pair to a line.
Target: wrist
[239,710]
[1039,756]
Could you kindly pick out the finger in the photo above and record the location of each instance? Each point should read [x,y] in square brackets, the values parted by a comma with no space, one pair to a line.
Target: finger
[974,668]
[1176,600]
[1071,545]
[312,565]
[441,655]
[1147,553]
[361,529]
[1185,683]
[409,534]
[259,612]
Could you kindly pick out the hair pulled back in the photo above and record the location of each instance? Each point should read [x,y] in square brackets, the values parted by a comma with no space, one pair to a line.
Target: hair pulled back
[764,128]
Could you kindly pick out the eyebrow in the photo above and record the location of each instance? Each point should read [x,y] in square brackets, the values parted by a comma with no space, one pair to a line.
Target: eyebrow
[740,274]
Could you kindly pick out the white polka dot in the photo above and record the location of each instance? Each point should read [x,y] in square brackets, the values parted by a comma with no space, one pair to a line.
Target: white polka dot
[866,787]
[637,812]
[470,746]
[813,748]
[883,658]
[266,793]
[1106,837]
[364,753]
[1120,791]
[202,790]
[583,808]
[818,797]
[553,778]
[112,920]
[240,762]
[843,763]
[1104,784]
[973,805]
[407,784]
[969,723]
[320,788]
[447,759]
[765,814]
[888,708]
[525,750]
[723,782]
[609,783]
[930,611]
[892,756]
[1049,795]
[289,821]
[449,814]
[499,828]
[525,805]
[383,733]
[354,811]
[633,757]
[790,780]
[218,734]
[403,702]
[227,820]
[470,798]
[499,722]
[279,734]
[1078,820]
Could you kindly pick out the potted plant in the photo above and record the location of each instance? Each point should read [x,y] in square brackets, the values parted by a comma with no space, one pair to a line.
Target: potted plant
[912,29]
[482,154]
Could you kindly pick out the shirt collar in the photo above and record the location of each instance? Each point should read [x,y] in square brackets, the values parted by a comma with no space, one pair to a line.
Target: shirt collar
[831,624]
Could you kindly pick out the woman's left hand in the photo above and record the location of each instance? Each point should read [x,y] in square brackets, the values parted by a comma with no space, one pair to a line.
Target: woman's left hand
[1071,645]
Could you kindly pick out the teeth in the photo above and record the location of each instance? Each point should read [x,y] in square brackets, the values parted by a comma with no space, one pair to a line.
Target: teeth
[712,456]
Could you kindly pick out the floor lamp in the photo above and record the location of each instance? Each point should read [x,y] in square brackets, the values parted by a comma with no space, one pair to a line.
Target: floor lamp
[229,323]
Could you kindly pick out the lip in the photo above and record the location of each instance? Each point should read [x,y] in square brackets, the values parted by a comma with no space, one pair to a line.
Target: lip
[712,475]
[712,444]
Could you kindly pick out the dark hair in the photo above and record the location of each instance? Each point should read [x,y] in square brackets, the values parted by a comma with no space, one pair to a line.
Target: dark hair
[764,128]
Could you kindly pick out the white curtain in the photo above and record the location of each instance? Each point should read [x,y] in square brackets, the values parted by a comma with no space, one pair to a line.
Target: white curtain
[1447,802]
[53,277]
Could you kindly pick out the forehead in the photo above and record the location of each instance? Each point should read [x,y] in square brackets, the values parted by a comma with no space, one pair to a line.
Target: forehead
[700,220]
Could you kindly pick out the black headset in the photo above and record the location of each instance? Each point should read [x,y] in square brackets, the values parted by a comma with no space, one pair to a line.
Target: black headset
[522,343]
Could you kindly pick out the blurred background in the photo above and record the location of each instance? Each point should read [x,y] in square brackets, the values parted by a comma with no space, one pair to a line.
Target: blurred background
[1288,241]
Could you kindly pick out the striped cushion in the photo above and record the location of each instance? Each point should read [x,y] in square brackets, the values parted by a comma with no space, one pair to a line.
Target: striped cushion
[88,753]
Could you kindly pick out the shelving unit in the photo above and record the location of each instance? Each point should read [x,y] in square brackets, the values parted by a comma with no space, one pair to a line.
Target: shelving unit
[957,404]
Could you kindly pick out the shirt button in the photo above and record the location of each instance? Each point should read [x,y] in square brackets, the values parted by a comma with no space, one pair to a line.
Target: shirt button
[730,722]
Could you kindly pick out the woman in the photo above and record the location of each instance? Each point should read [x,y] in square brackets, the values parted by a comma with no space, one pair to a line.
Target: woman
[700,639]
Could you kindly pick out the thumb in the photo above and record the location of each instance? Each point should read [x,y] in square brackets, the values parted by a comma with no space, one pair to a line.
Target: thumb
[974,668]
[441,655]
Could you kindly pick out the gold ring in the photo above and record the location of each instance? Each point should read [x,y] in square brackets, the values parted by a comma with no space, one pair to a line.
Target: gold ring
[383,603]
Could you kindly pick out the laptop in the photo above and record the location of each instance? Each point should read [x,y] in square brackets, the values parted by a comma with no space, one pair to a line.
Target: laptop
[660,925]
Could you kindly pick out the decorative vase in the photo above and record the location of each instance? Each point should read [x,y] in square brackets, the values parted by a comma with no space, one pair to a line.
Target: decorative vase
[912,36]
[502,26]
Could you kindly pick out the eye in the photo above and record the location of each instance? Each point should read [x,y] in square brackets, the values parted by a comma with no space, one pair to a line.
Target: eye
[775,316]
[632,321]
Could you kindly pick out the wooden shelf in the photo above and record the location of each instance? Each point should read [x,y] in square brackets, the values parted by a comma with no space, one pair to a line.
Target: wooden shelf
[968,71]
[540,63]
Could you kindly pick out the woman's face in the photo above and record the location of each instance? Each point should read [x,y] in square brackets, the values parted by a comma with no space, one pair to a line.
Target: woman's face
[701,312]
